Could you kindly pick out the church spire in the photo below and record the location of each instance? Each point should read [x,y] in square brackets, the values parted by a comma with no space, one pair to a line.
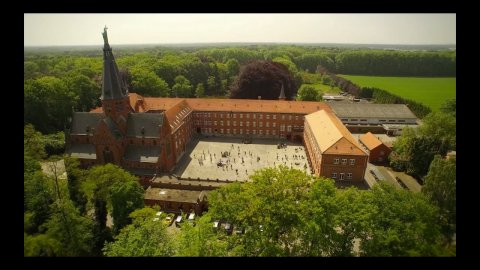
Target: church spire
[112,86]
[282,92]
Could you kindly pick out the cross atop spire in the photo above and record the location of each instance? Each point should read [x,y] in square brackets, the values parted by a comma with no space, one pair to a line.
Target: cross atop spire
[112,86]
[105,37]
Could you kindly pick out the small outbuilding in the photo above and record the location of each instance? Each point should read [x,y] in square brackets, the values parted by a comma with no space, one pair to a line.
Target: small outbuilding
[377,151]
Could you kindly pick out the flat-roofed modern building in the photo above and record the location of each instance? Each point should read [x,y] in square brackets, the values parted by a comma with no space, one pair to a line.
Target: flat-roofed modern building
[332,150]
[376,114]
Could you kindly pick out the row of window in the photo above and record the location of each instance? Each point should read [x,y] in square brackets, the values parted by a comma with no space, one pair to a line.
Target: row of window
[344,161]
[247,115]
[240,131]
[342,176]
[247,124]
[365,120]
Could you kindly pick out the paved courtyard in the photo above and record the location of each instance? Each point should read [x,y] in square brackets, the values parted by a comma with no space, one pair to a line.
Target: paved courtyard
[203,158]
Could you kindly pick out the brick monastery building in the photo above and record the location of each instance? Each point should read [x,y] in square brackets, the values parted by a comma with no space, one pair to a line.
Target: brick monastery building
[148,136]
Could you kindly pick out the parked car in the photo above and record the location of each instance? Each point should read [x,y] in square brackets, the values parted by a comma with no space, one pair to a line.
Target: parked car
[179,221]
[239,230]
[216,224]
[169,219]
[191,218]
[228,228]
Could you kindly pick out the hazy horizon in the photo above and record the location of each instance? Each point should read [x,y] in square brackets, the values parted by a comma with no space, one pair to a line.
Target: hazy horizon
[46,30]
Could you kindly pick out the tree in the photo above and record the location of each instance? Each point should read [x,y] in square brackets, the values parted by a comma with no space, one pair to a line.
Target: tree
[200,90]
[38,198]
[263,78]
[233,67]
[308,93]
[398,223]
[144,237]
[33,144]
[70,229]
[40,245]
[54,143]
[125,198]
[85,88]
[48,104]
[450,107]
[441,188]
[440,126]
[182,87]
[75,177]
[145,82]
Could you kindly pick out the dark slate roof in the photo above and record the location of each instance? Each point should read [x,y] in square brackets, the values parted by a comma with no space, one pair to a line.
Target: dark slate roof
[85,151]
[82,120]
[370,110]
[150,122]
[141,171]
[139,153]
[112,86]
[113,127]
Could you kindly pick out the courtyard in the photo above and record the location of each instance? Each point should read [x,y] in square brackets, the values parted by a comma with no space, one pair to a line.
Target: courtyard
[230,158]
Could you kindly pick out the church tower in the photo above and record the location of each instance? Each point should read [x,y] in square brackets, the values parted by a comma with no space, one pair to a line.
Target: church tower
[115,101]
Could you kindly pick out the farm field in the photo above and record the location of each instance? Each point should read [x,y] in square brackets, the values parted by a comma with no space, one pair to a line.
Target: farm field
[430,91]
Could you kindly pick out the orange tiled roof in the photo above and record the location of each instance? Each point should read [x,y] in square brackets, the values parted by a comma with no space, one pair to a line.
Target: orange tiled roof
[177,113]
[331,135]
[370,141]
[255,105]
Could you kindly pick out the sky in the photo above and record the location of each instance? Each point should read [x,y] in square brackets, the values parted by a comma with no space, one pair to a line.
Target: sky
[85,29]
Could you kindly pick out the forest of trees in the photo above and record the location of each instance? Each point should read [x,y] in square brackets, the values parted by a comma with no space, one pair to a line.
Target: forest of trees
[284,212]
[58,83]
[67,217]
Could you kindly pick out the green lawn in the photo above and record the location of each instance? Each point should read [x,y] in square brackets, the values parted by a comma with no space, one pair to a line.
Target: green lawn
[429,91]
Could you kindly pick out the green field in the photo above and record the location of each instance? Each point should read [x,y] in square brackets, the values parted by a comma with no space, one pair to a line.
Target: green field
[430,91]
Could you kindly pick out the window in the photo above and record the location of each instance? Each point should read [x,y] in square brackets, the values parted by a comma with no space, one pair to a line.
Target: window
[282,127]
[349,175]
[228,123]
[254,124]
[342,176]
[214,115]
[260,132]
[336,161]
[267,124]
[214,123]
[261,116]
[274,116]
[221,123]
[296,117]
[253,132]
[381,120]
[241,115]
[221,131]
[254,116]
[353,120]
[154,142]
[234,115]
[267,132]
[241,123]
[221,115]
[344,120]
[248,115]
[283,116]
[247,123]
[274,132]
[344,161]
[234,123]
[274,124]
[234,131]
[268,116]
[290,117]
[401,121]
[260,124]
[391,120]
[334,175]
[289,128]
[352,161]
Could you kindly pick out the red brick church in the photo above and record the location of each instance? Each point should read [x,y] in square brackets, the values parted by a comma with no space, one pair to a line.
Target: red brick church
[147,135]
